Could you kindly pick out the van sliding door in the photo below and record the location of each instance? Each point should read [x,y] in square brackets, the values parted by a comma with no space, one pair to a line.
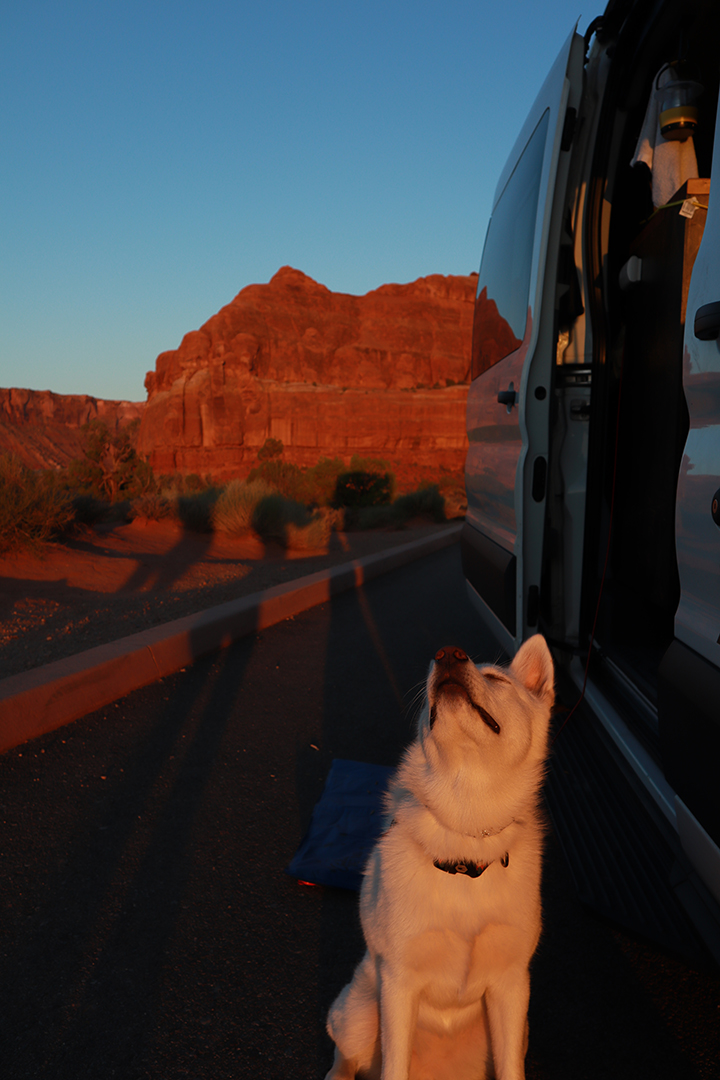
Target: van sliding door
[689,675]
[513,357]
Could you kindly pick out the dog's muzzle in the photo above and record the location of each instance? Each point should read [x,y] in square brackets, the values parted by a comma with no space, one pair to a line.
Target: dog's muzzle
[450,662]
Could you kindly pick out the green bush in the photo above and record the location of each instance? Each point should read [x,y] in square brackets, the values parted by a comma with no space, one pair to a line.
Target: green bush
[426,501]
[109,467]
[321,480]
[271,448]
[317,485]
[32,506]
[193,482]
[360,488]
[285,478]
[196,511]
[155,506]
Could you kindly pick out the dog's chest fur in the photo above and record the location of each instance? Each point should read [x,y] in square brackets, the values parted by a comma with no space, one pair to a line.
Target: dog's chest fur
[453,934]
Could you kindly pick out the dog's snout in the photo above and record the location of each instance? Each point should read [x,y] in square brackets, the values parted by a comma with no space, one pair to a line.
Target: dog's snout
[449,656]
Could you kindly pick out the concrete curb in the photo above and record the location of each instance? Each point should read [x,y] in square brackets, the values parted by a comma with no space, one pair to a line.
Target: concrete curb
[35,702]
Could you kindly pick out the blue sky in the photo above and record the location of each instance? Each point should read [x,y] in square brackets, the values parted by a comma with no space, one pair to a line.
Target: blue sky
[157,157]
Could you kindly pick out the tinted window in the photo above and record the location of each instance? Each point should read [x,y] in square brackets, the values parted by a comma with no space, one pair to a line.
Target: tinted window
[501,306]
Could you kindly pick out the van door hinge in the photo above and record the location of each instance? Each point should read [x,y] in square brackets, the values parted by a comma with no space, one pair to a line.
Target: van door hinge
[568,128]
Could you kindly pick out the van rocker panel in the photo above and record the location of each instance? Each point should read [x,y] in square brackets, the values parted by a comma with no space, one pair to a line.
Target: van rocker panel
[689,726]
[491,570]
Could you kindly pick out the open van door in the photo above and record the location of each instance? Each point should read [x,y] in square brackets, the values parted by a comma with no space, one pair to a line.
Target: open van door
[514,349]
[689,675]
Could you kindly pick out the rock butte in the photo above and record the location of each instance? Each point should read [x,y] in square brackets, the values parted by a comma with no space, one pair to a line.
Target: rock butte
[327,373]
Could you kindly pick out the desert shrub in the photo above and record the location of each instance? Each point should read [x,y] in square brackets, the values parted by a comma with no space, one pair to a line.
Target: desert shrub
[315,534]
[360,488]
[285,478]
[171,483]
[321,480]
[155,506]
[84,477]
[193,482]
[426,501]
[376,465]
[236,504]
[109,468]
[119,512]
[32,506]
[181,484]
[88,510]
[195,511]
[271,448]
[274,514]
[452,489]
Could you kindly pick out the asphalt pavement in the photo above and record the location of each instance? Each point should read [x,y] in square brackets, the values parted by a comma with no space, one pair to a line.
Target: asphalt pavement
[149,927]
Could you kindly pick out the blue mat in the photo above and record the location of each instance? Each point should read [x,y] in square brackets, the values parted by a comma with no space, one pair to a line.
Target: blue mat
[345,824]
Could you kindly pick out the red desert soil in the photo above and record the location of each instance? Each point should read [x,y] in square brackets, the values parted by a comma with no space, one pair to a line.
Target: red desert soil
[112,581]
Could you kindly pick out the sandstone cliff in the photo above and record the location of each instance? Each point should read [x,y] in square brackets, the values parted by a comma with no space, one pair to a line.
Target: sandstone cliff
[328,373]
[43,428]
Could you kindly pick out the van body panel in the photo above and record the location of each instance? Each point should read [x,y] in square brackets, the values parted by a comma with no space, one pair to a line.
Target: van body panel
[494,448]
[493,570]
[507,437]
[593,468]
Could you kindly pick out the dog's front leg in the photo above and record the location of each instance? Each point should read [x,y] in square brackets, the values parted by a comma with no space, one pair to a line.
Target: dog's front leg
[398,1016]
[507,1006]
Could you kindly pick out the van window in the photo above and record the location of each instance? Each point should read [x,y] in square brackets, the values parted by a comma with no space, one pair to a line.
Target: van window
[503,288]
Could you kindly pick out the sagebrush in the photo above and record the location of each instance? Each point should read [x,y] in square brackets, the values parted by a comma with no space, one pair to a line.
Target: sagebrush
[33,508]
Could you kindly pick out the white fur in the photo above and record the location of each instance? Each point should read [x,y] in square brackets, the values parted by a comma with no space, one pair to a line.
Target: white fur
[442,991]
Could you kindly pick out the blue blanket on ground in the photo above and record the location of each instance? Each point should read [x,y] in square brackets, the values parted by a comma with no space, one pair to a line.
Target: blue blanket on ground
[345,824]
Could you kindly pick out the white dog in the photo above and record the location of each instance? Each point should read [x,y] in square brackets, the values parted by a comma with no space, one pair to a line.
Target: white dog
[450,903]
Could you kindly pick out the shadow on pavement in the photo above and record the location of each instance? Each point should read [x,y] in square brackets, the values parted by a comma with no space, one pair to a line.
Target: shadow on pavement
[149,928]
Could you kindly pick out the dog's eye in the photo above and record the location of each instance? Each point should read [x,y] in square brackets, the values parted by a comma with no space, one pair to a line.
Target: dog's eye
[494,675]
[433,714]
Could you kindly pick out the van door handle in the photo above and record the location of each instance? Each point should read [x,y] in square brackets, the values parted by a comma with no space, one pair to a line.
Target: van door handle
[707,321]
[507,397]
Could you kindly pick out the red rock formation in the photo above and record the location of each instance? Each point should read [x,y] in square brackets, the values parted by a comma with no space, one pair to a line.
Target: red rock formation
[493,336]
[43,428]
[327,373]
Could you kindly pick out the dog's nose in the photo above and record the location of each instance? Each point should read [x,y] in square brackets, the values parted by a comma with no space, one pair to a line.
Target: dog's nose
[449,656]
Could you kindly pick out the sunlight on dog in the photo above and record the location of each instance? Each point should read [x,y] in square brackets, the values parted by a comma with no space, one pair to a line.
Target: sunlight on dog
[450,902]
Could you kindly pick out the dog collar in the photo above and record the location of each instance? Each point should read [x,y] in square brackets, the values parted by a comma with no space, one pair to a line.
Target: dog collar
[468,869]
[482,835]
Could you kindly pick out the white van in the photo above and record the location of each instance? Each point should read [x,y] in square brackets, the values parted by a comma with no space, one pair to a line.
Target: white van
[593,469]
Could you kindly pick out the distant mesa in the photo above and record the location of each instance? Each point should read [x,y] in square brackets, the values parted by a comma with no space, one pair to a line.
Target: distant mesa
[43,428]
[327,373]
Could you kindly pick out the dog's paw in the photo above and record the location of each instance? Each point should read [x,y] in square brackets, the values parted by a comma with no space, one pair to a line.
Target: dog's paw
[342,1068]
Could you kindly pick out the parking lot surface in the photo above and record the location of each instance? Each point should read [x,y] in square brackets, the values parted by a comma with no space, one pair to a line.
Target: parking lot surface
[149,927]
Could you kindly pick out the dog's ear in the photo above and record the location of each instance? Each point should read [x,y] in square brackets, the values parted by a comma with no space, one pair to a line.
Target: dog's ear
[533,666]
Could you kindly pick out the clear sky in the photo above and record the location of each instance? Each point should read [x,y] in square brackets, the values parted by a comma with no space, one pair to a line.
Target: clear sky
[157,156]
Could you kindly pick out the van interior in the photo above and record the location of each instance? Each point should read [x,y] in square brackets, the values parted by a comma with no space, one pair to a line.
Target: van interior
[638,407]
